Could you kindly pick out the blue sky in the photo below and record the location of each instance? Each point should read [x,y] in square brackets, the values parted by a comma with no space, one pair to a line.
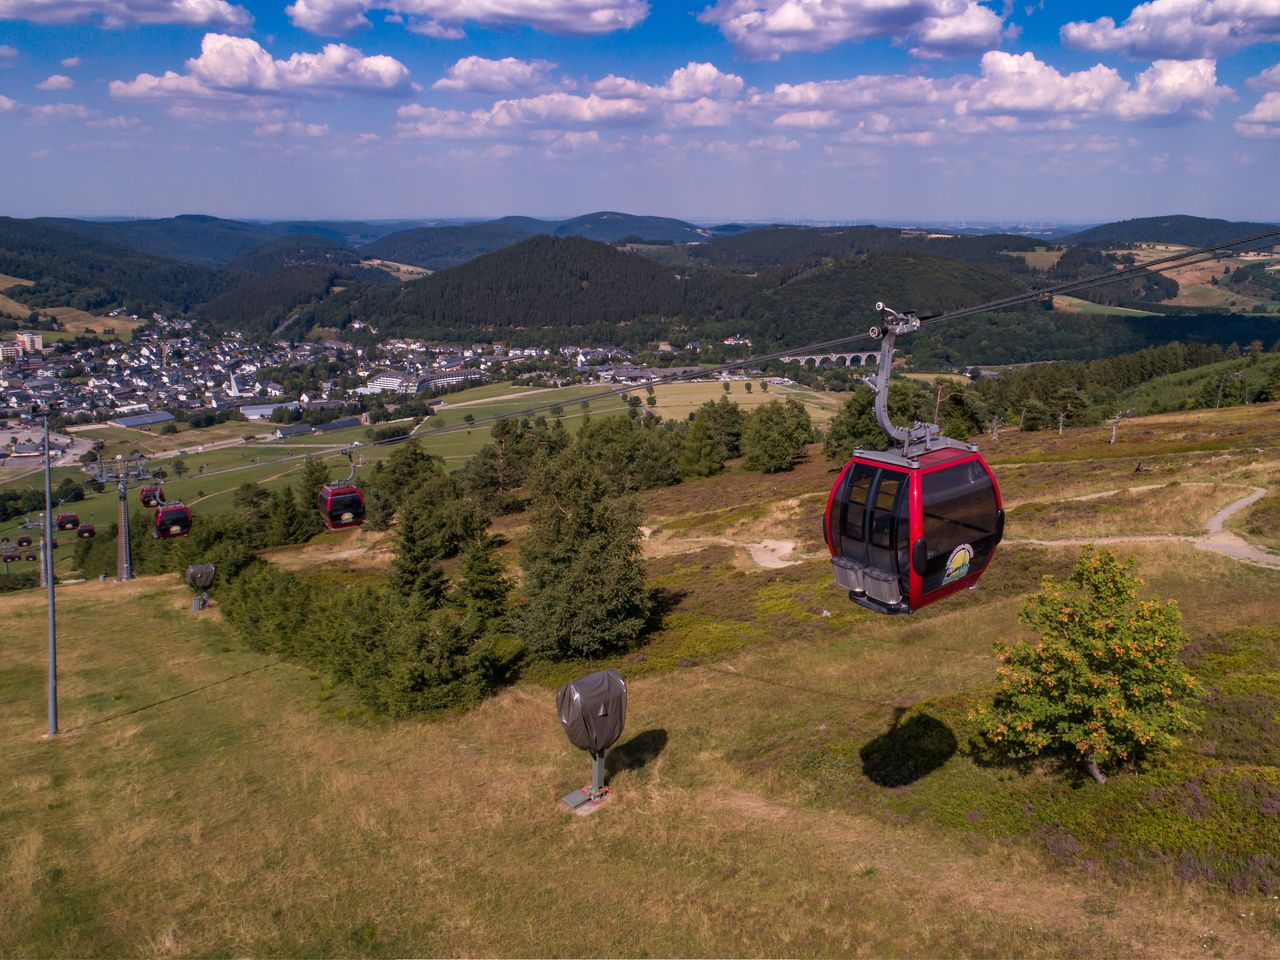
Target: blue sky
[712,110]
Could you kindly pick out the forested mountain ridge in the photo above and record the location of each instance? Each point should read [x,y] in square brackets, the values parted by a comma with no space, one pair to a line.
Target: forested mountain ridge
[437,248]
[293,250]
[71,269]
[548,290]
[771,246]
[1177,228]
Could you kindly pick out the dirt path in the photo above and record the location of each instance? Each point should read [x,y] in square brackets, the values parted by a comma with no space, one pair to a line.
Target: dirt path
[1218,539]
[767,553]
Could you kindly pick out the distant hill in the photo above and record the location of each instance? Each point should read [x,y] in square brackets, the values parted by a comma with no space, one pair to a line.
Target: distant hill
[1179,228]
[555,290]
[292,250]
[438,248]
[213,241]
[196,239]
[71,269]
[263,305]
[776,245]
[610,227]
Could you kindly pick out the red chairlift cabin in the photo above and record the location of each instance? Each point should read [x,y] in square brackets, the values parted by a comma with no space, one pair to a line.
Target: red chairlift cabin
[67,521]
[86,531]
[151,495]
[172,520]
[912,525]
[341,505]
[906,532]
[24,540]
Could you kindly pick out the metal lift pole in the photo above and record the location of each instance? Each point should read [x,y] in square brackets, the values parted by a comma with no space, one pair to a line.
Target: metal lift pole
[47,565]
[124,549]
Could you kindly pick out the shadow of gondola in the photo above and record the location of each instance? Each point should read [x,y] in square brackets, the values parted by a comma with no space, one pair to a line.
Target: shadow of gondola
[636,753]
[907,751]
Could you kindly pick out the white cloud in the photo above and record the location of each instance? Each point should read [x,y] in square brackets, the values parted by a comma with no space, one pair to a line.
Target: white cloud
[694,81]
[292,128]
[444,18]
[56,82]
[769,28]
[808,119]
[6,104]
[71,62]
[56,112]
[115,123]
[119,13]
[1263,120]
[505,76]
[554,109]
[434,29]
[1012,92]
[1180,29]
[7,52]
[234,66]
[1021,84]
[1268,79]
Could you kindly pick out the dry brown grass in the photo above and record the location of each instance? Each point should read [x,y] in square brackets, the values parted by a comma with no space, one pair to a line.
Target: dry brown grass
[259,816]
[246,819]
[1174,508]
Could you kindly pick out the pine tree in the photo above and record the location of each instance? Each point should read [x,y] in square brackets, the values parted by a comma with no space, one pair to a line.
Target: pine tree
[583,572]
[701,453]
[482,590]
[775,436]
[286,522]
[413,571]
[314,476]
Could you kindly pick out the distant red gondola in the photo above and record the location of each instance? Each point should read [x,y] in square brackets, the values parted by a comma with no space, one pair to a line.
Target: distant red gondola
[86,530]
[67,521]
[151,495]
[172,520]
[24,540]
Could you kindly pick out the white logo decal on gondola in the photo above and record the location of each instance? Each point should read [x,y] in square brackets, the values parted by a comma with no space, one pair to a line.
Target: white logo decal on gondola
[348,517]
[958,563]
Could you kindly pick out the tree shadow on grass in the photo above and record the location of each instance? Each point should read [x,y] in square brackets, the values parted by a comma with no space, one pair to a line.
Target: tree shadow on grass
[664,601]
[908,750]
[636,753]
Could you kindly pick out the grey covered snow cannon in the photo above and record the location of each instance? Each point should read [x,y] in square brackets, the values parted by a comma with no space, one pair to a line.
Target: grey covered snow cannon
[593,710]
[200,577]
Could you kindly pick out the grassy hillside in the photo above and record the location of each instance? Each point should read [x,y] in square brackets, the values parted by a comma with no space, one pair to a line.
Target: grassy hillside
[795,778]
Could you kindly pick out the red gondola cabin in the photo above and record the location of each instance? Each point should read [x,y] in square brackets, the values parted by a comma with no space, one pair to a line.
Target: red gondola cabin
[904,532]
[172,520]
[86,531]
[151,495]
[24,540]
[67,521]
[341,506]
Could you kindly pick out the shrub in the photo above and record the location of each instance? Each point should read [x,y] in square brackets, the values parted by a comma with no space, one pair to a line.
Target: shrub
[1104,685]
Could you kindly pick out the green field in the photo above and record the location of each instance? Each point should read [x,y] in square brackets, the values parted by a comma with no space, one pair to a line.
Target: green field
[206,800]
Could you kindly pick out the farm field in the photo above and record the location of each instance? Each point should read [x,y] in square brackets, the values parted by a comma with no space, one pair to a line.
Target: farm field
[210,800]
